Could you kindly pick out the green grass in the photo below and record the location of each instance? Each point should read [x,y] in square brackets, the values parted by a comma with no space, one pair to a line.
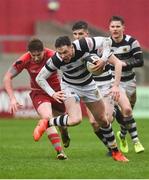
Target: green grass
[22,158]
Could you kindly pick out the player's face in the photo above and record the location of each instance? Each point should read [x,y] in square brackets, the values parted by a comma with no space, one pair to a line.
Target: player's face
[80,33]
[116,29]
[66,53]
[37,56]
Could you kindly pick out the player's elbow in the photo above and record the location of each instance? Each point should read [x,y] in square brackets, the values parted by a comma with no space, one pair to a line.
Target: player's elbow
[6,79]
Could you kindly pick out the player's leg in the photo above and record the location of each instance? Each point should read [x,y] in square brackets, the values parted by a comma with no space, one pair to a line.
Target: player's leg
[129,88]
[109,107]
[130,123]
[73,109]
[133,127]
[42,104]
[73,116]
[98,110]
[59,109]
[96,128]
[133,99]
[63,130]
[45,111]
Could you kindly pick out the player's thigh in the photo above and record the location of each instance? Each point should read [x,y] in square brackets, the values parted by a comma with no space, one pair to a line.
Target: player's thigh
[133,99]
[45,110]
[90,116]
[109,107]
[73,108]
[124,103]
[97,108]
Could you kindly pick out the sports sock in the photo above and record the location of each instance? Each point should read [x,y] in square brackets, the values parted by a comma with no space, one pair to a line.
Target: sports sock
[102,138]
[132,128]
[120,119]
[59,121]
[109,136]
[55,140]
[123,131]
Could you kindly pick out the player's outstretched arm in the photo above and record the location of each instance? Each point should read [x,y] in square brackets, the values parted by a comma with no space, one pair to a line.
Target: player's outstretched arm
[14,104]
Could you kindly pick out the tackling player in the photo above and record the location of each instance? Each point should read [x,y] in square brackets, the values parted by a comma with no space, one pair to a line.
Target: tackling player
[33,61]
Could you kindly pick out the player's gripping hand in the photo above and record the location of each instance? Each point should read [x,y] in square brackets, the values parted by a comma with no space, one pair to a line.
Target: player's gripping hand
[100,64]
[59,96]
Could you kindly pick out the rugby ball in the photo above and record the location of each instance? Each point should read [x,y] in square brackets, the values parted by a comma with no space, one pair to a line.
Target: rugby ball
[90,61]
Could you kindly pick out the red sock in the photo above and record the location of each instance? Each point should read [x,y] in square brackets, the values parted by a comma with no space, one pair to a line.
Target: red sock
[56,141]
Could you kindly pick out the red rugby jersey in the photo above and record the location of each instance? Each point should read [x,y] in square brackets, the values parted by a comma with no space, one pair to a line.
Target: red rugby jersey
[25,62]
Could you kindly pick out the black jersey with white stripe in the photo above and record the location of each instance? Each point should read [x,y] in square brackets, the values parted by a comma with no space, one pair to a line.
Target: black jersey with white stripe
[129,51]
[75,72]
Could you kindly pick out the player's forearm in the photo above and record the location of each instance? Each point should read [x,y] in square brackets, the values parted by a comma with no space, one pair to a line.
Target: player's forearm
[118,72]
[8,86]
[118,69]
[135,63]
[106,49]
[42,82]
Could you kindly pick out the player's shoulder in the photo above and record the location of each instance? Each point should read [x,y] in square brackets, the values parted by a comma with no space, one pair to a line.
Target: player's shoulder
[22,61]
[25,57]
[55,60]
[129,38]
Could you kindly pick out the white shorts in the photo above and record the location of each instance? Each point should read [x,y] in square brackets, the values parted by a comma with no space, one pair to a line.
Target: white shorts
[104,88]
[88,93]
[129,87]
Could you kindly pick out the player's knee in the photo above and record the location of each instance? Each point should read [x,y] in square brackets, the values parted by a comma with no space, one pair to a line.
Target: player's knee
[46,115]
[103,121]
[95,125]
[75,120]
[128,111]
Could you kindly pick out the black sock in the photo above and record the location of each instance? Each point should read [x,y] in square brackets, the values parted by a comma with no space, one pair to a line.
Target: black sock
[109,136]
[102,138]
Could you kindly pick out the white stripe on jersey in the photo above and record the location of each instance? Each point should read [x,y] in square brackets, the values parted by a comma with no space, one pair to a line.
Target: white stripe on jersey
[121,50]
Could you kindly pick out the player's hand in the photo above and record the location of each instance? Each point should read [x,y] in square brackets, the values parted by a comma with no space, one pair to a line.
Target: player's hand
[59,96]
[14,106]
[115,93]
[98,65]
[124,64]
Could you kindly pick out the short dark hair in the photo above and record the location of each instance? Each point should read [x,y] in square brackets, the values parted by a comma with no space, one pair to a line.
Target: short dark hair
[117,18]
[80,25]
[62,41]
[35,44]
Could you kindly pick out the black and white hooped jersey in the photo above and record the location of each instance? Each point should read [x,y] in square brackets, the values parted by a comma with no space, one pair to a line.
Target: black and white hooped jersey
[129,51]
[75,72]
[106,75]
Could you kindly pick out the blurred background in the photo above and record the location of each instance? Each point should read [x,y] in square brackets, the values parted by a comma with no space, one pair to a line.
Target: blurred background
[22,19]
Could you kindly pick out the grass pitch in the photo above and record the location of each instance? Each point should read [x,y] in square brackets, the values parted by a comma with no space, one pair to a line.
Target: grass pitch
[22,158]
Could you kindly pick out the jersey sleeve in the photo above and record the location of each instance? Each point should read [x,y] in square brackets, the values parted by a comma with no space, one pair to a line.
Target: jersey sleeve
[41,80]
[99,43]
[18,65]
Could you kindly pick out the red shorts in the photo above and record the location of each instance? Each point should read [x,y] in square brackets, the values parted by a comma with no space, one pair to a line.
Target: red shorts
[39,97]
